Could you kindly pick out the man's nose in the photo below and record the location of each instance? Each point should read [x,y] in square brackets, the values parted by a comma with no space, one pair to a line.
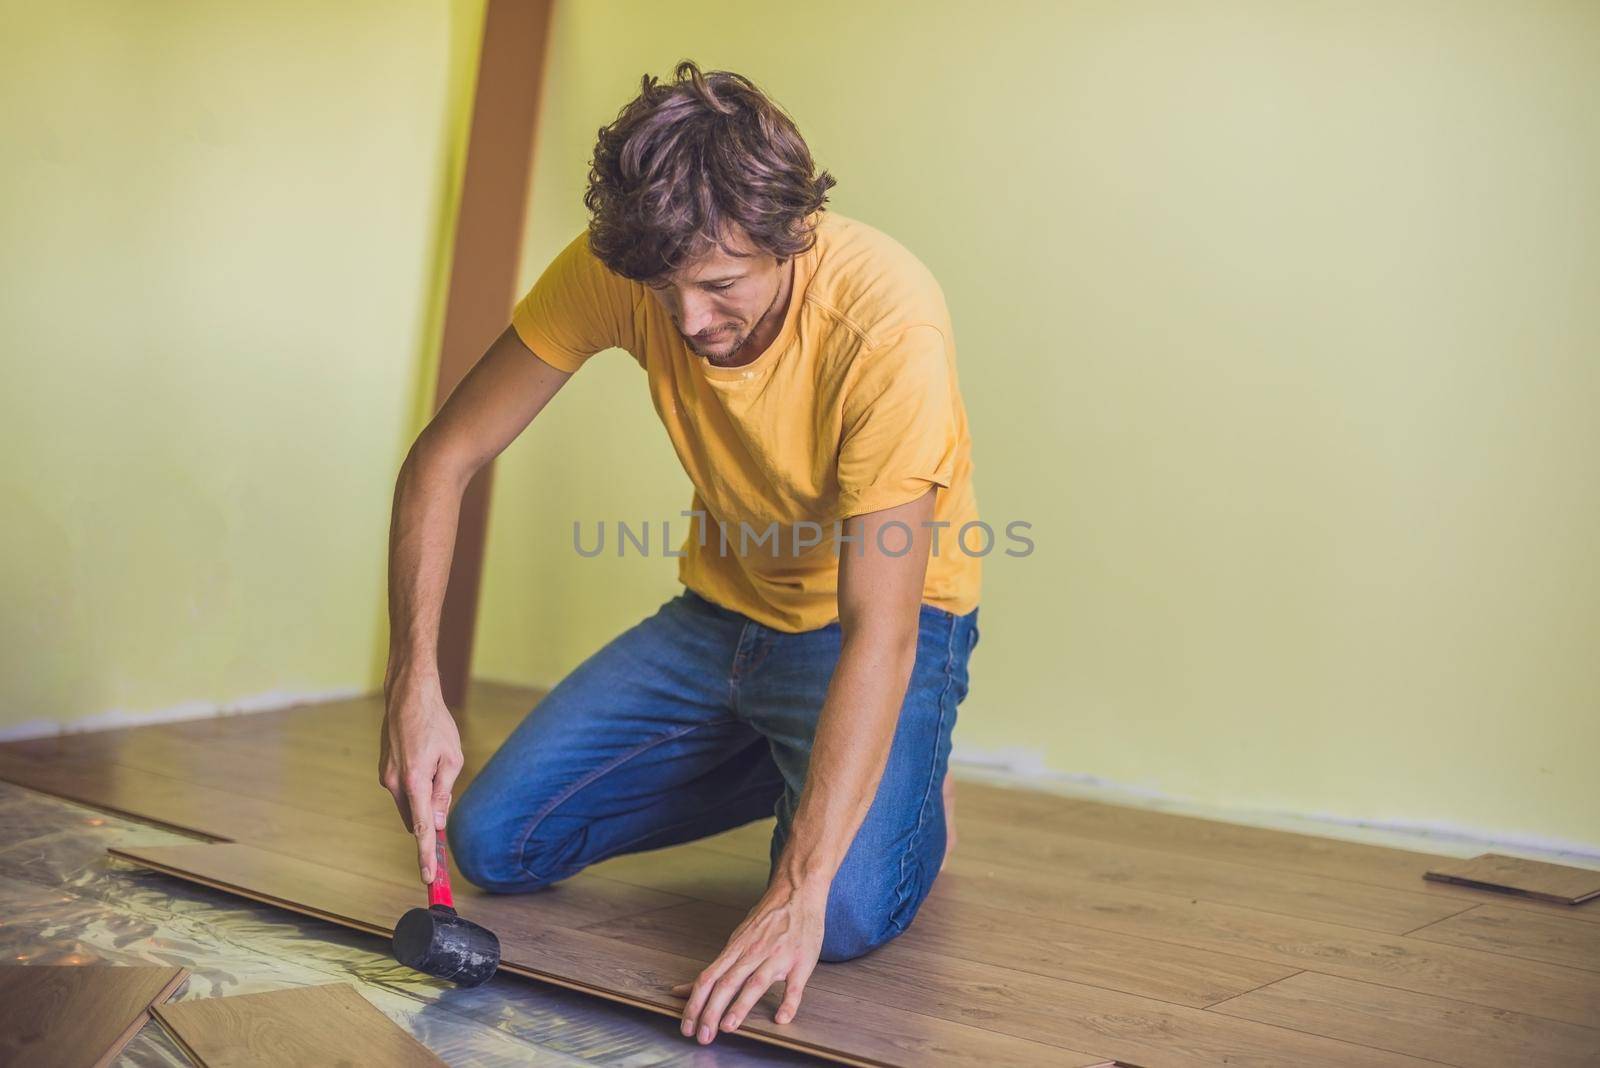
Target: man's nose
[696,316]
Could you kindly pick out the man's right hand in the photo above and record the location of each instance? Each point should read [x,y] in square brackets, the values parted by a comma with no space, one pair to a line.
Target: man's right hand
[420,760]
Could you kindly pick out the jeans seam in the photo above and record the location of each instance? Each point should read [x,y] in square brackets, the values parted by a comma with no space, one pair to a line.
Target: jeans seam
[737,669]
[533,824]
[922,810]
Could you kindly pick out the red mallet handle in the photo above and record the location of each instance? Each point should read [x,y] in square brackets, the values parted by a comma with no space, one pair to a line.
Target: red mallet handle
[439,889]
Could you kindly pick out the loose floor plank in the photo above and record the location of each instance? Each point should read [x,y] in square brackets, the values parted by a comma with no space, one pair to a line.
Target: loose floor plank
[73,1016]
[1516,933]
[976,933]
[323,839]
[829,1025]
[1032,1006]
[1498,873]
[1434,1027]
[572,903]
[330,1026]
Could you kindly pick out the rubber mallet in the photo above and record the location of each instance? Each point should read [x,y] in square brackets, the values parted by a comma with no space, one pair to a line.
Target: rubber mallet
[439,943]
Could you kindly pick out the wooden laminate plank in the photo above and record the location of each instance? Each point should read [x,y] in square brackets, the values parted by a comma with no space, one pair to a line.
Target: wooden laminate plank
[1516,933]
[388,855]
[1262,847]
[324,775]
[182,805]
[1498,873]
[1481,977]
[975,932]
[70,1016]
[1131,928]
[1471,975]
[218,815]
[130,792]
[1030,1006]
[325,781]
[837,1027]
[849,1030]
[391,857]
[493,710]
[1312,897]
[1113,864]
[572,903]
[348,728]
[1442,1029]
[328,1026]
[692,872]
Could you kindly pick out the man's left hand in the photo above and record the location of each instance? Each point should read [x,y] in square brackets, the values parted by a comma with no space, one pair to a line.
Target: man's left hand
[781,938]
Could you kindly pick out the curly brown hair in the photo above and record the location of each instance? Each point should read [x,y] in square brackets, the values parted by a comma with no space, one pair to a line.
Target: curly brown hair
[685,159]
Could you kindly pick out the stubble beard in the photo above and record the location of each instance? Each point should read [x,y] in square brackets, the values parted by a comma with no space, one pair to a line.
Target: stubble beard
[729,358]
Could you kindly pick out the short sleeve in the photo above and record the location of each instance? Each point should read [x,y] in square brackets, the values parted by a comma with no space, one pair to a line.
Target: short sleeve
[899,435]
[577,308]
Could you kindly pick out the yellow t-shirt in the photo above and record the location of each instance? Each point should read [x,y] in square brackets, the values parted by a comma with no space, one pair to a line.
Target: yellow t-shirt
[853,408]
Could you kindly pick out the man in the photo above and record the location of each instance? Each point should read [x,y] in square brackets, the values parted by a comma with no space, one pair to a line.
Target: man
[802,364]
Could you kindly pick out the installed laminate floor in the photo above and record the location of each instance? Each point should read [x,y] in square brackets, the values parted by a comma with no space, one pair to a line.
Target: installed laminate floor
[1063,931]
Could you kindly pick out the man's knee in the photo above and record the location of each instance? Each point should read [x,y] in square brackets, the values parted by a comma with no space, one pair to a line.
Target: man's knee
[486,852]
[856,925]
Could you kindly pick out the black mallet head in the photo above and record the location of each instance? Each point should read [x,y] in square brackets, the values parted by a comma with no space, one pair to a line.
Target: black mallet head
[440,943]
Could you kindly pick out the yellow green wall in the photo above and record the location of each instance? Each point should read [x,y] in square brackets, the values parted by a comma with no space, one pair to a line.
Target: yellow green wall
[1277,321]
[222,228]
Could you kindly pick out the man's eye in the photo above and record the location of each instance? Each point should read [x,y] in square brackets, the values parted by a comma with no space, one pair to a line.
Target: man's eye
[725,285]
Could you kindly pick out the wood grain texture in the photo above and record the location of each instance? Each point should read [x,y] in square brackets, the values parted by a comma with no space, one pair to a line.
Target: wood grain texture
[77,1016]
[339,893]
[1062,931]
[1035,853]
[1438,1028]
[1514,933]
[985,935]
[1488,979]
[903,976]
[1498,873]
[315,780]
[329,1026]
[1261,847]
[837,1027]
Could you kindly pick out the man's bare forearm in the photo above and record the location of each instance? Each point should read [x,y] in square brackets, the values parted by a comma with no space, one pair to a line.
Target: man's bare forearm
[422,535]
[855,734]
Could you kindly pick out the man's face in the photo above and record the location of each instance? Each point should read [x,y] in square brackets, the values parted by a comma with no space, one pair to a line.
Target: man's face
[717,300]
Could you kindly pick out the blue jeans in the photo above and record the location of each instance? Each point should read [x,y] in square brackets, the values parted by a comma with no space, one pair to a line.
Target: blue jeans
[698,720]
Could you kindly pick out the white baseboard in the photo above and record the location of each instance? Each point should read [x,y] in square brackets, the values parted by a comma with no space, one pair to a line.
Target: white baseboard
[119,717]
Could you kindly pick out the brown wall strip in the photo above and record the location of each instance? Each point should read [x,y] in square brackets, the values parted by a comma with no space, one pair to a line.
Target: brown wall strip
[483,276]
